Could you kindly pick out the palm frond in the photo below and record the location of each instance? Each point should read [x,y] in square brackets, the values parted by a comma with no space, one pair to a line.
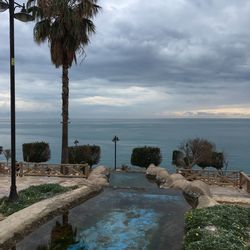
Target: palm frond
[66,24]
[41,31]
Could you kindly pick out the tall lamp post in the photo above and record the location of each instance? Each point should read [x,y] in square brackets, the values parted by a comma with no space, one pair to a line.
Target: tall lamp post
[115,140]
[24,17]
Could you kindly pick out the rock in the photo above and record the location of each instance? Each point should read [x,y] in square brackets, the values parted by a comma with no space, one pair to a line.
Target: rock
[206,201]
[191,199]
[212,229]
[198,187]
[193,190]
[162,176]
[100,170]
[99,182]
[168,182]
[152,171]
[176,177]
[197,193]
[180,184]
[99,176]
[96,176]
[174,181]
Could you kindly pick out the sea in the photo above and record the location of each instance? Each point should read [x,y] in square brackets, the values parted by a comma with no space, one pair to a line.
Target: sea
[231,136]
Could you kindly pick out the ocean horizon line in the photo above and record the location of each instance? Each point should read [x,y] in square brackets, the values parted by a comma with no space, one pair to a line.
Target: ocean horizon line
[124,119]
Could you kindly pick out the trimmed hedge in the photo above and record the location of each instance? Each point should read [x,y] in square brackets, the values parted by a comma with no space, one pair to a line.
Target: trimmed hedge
[36,152]
[90,154]
[217,161]
[144,156]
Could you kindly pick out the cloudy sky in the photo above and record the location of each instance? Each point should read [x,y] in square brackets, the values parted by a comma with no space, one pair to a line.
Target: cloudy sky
[148,59]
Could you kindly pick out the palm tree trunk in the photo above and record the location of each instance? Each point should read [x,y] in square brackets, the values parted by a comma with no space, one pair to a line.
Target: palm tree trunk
[65,114]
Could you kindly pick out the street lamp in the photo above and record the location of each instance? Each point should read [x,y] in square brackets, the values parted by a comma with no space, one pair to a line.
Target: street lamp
[24,17]
[115,140]
[76,142]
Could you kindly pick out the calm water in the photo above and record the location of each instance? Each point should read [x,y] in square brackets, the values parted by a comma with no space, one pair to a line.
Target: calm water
[144,217]
[230,135]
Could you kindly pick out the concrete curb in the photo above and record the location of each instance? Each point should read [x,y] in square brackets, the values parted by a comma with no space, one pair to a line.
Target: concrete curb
[19,224]
[232,200]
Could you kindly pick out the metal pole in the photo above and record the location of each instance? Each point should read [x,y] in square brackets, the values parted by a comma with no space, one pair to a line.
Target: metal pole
[13,192]
[115,154]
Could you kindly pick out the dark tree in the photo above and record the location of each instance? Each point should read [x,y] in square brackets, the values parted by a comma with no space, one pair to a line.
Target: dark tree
[199,152]
[90,154]
[36,152]
[144,156]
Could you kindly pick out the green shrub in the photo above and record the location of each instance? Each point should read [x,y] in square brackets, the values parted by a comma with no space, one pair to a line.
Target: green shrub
[144,156]
[85,154]
[231,224]
[36,152]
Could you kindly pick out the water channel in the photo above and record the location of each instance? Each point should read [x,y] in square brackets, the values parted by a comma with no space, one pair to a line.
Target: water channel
[133,213]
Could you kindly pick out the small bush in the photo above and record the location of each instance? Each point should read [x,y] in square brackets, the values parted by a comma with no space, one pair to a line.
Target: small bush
[85,154]
[36,152]
[144,156]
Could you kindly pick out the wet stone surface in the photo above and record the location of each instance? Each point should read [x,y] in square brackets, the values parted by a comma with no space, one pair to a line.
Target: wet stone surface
[131,214]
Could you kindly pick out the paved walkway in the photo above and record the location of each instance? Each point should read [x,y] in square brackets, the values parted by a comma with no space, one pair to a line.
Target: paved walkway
[230,194]
[26,181]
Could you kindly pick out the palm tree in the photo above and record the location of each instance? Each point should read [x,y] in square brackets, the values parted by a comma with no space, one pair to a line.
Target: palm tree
[67,26]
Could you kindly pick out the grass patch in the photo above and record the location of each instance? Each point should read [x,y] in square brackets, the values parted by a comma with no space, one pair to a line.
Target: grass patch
[30,196]
[219,227]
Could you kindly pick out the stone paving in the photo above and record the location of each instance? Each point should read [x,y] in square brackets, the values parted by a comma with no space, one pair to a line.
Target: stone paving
[26,181]
[230,194]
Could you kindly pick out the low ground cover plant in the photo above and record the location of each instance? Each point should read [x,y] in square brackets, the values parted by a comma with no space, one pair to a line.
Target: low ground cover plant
[218,227]
[30,196]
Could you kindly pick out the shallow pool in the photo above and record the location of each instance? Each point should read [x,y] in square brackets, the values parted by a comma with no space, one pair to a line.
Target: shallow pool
[131,214]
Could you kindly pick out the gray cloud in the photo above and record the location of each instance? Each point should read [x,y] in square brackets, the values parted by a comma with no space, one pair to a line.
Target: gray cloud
[188,57]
